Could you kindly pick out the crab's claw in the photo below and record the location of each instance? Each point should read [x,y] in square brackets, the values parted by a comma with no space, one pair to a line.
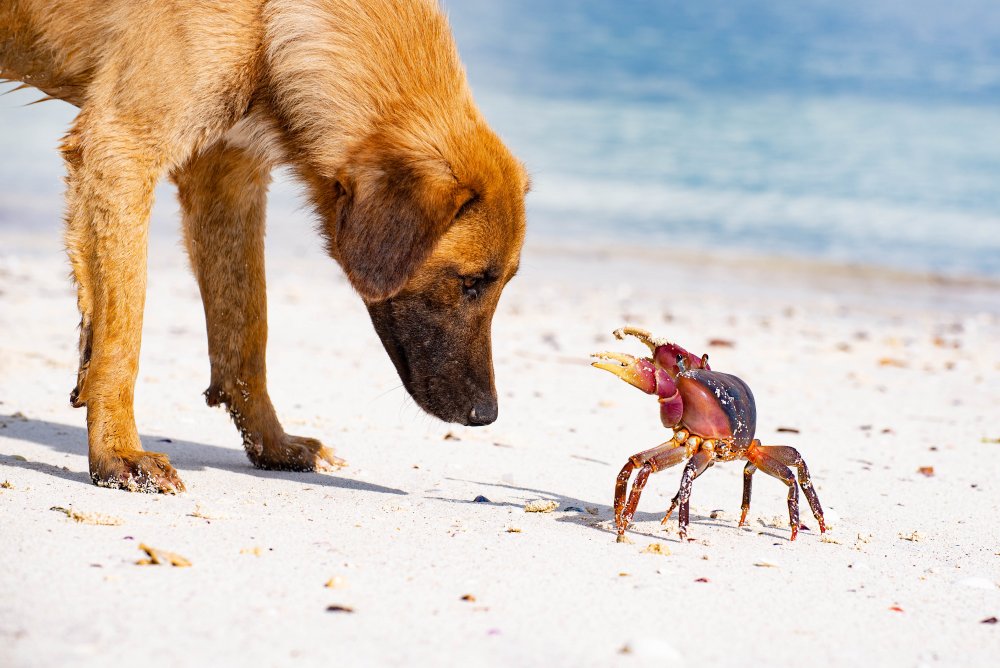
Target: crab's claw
[639,372]
[638,333]
[668,356]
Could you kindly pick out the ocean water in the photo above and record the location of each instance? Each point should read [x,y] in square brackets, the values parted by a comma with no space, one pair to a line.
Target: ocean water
[863,131]
[856,131]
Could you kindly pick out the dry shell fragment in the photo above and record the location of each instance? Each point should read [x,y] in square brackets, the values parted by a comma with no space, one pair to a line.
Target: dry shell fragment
[96,519]
[657,548]
[541,506]
[161,557]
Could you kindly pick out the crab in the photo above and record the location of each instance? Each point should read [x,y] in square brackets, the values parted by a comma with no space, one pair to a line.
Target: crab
[713,418]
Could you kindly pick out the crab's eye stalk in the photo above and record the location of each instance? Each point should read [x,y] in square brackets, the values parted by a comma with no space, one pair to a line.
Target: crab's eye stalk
[682,363]
[704,361]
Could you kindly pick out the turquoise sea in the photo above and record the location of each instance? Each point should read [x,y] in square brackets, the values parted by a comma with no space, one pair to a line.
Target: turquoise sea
[864,132]
[854,130]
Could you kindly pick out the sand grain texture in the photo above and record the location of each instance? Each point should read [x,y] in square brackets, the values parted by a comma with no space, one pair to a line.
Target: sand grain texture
[902,579]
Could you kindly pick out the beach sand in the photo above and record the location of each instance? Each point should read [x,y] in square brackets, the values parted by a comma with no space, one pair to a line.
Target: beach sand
[874,376]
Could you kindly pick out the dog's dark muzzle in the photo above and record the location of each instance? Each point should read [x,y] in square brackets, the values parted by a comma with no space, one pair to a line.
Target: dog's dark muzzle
[448,374]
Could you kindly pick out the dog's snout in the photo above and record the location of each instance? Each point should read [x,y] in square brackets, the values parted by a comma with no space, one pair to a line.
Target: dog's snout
[483,414]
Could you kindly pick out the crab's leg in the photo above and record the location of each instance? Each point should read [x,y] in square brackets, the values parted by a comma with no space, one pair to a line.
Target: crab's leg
[789,456]
[748,472]
[677,498]
[757,455]
[656,459]
[636,460]
[695,467]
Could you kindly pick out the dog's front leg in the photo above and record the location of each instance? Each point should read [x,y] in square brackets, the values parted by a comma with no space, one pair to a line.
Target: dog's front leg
[223,196]
[112,170]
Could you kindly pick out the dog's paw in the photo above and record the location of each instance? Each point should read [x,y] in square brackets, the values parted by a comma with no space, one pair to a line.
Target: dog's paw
[137,471]
[295,453]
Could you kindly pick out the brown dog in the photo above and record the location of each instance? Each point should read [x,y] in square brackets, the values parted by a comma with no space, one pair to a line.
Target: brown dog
[366,100]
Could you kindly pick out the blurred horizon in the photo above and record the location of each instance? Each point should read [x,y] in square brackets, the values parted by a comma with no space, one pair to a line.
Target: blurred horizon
[850,131]
[856,132]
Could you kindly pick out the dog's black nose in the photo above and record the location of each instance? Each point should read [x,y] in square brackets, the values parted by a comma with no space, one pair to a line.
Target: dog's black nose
[484,413]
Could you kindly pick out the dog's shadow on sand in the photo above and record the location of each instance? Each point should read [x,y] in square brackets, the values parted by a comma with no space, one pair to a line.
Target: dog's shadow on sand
[184,455]
[583,513]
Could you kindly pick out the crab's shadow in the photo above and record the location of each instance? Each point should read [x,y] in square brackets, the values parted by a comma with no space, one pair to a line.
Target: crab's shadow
[184,455]
[602,520]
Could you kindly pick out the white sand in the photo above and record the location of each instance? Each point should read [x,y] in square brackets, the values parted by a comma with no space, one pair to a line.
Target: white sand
[881,374]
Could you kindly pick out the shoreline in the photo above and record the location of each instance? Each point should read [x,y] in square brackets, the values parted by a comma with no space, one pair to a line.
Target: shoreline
[789,266]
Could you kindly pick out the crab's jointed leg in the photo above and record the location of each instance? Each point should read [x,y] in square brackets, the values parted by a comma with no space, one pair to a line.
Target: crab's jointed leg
[695,467]
[789,456]
[748,472]
[656,459]
[759,457]
[677,497]
[637,460]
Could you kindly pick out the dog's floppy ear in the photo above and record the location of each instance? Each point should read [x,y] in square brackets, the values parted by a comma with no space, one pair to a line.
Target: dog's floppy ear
[393,211]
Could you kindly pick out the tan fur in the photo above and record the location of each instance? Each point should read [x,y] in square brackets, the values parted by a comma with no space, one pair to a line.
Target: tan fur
[366,100]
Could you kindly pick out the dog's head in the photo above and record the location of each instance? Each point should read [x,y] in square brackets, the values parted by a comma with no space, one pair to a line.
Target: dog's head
[429,235]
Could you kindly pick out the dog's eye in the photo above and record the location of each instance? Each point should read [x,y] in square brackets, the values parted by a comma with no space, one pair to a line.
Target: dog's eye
[472,286]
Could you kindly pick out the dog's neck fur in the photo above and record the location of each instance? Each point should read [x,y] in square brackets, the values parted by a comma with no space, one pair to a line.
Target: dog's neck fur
[425,79]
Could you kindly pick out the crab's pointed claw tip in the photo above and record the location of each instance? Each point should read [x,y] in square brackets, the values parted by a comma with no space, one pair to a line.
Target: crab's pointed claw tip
[638,372]
[613,359]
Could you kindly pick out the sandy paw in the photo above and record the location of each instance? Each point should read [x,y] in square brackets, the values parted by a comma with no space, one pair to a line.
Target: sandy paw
[138,471]
[296,453]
